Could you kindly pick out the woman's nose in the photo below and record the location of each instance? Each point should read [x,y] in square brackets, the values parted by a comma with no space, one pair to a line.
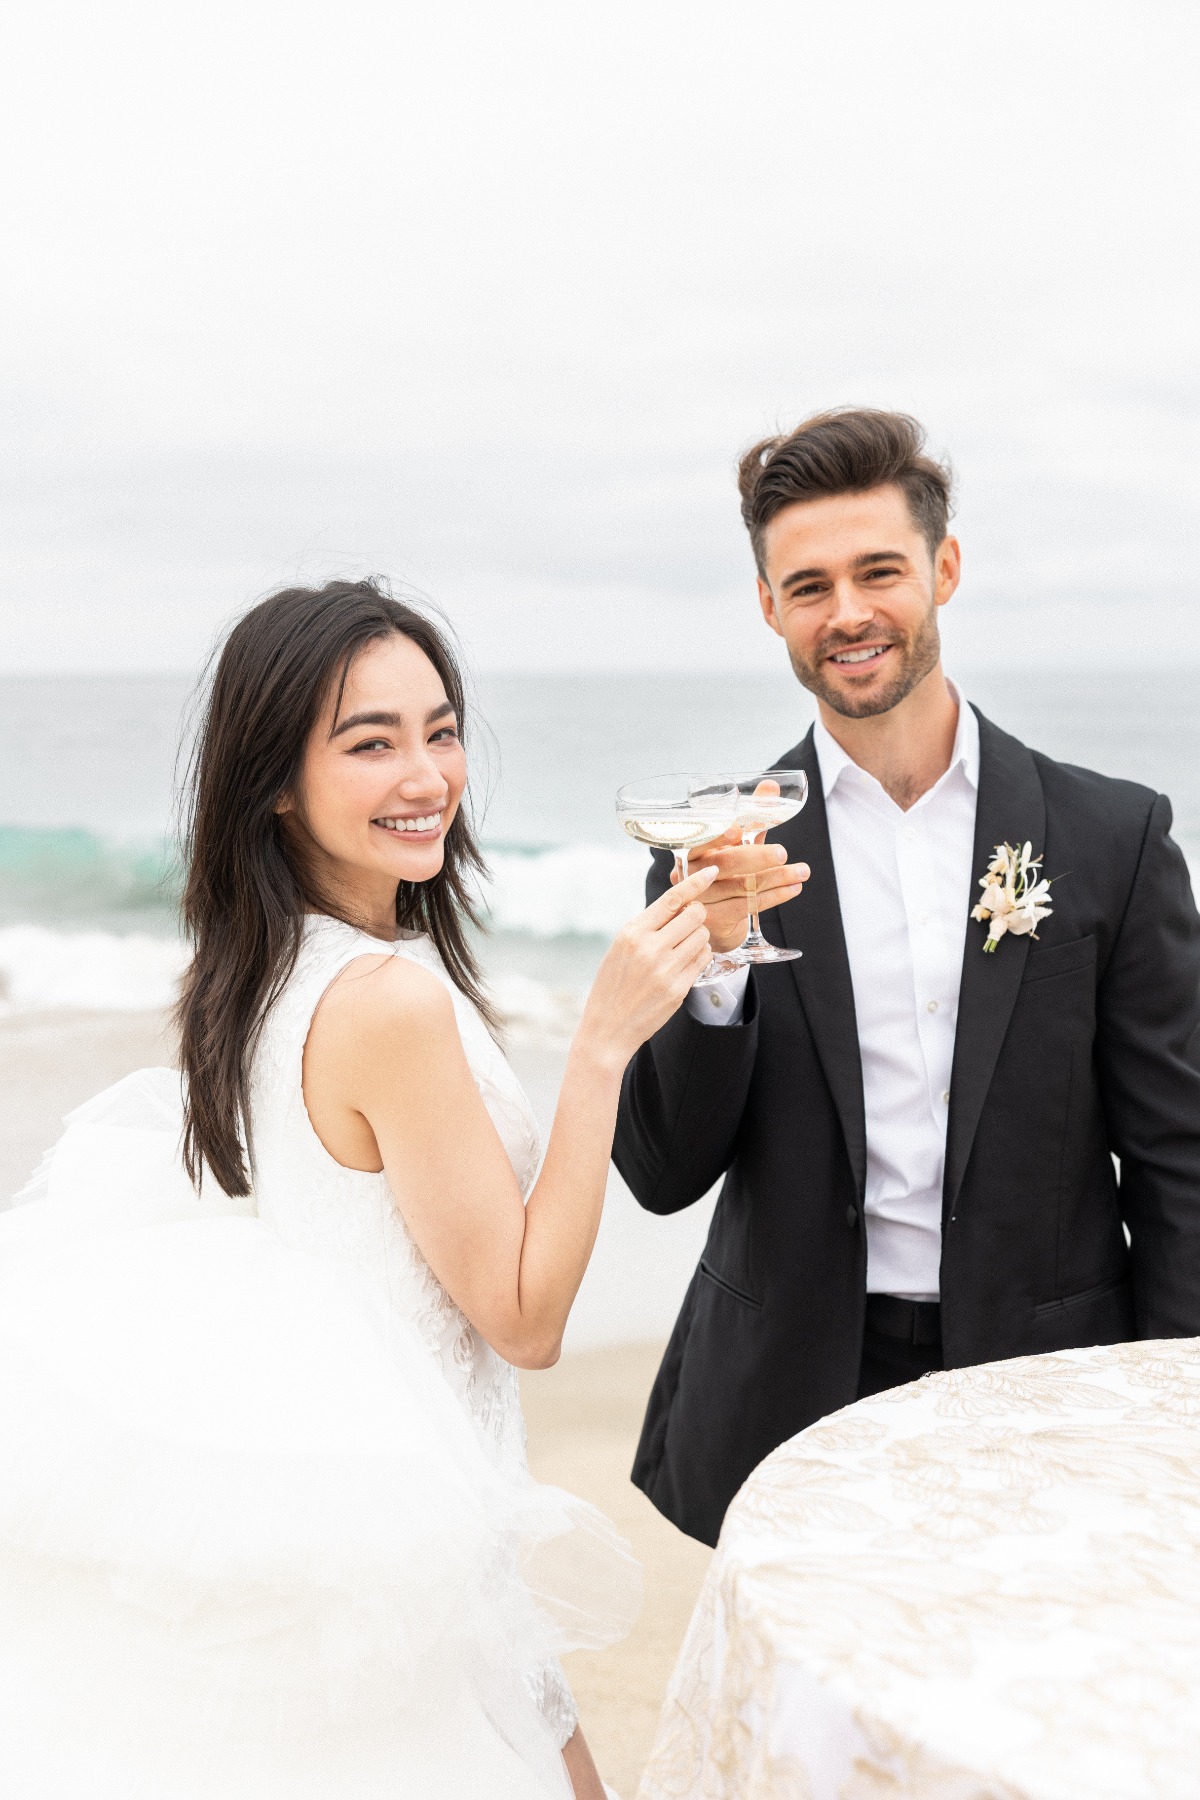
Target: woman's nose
[423,780]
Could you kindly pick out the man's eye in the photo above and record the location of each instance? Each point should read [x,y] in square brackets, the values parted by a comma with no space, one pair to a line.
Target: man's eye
[875,574]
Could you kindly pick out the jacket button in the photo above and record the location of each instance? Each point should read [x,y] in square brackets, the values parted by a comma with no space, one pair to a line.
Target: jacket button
[852,1216]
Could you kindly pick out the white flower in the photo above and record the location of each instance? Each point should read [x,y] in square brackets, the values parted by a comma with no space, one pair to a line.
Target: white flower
[1015,897]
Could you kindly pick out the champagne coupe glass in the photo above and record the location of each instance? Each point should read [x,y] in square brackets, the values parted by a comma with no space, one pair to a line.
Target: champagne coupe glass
[765,800]
[679,813]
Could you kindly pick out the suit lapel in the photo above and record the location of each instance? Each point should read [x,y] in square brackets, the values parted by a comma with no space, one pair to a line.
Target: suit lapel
[813,924]
[1010,809]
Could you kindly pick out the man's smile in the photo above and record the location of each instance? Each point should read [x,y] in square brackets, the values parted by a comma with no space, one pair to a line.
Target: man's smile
[860,656]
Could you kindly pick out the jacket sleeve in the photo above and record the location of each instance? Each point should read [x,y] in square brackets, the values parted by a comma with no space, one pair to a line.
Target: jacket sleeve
[1149,1060]
[682,1098]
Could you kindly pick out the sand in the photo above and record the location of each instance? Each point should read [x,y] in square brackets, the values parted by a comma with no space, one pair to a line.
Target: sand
[51,1061]
[583,1415]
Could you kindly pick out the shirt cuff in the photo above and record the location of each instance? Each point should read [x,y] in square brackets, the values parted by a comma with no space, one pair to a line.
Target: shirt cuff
[721,1002]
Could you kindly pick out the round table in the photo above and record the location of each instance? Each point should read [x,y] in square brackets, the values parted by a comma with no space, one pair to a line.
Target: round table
[983,1586]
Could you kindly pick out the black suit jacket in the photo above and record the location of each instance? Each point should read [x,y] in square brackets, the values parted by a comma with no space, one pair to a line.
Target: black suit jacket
[1081,1044]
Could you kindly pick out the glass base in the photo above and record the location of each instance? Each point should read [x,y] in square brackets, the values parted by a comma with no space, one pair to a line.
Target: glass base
[720,966]
[757,950]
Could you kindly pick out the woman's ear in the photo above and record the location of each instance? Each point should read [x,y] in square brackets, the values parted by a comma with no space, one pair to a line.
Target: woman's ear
[284,804]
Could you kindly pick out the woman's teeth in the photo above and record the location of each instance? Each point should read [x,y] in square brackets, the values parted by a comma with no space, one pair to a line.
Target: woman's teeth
[430,822]
[858,656]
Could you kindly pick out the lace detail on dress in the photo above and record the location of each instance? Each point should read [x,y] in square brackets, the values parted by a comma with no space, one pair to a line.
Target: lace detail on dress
[316,1204]
[554,1700]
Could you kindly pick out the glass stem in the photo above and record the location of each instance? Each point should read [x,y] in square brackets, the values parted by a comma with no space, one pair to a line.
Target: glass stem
[681,863]
[749,838]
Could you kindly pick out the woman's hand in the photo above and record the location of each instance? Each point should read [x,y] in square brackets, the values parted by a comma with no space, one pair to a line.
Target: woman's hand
[648,969]
[735,864]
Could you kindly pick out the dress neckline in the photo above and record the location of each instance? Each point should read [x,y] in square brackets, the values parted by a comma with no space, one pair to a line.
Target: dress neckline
[316,921]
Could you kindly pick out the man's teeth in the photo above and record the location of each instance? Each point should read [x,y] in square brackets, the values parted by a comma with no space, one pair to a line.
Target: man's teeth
[428,823]
[857,656]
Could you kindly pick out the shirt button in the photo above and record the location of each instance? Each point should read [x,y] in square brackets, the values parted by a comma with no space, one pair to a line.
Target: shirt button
[931,1006]
[946,1097]
[910,832]
[716,1001]
[922,918]
[852,1216]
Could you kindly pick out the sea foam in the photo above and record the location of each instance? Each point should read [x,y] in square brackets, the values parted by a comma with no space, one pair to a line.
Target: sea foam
[579,890]
[102,971]
[67,960]
[87,970]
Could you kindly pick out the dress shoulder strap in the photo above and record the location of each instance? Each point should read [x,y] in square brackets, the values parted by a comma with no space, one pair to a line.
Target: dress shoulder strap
[277,1074]
[326,948]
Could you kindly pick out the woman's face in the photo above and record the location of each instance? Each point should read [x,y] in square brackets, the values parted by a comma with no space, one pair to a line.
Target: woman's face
[382,779]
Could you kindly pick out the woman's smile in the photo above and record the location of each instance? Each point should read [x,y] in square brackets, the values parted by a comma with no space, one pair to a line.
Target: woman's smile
[424,828]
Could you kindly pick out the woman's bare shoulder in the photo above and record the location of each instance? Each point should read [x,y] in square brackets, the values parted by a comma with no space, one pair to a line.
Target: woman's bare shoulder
[385,1004]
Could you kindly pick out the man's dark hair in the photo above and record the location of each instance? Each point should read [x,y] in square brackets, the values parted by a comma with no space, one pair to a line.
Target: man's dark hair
[846,451]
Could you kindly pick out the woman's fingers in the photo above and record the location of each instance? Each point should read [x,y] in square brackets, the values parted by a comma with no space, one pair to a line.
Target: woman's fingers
[689,960]
[675,930]
[676,898]
[695,942]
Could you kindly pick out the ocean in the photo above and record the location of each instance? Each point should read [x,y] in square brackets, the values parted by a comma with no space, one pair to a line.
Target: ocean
[88,769]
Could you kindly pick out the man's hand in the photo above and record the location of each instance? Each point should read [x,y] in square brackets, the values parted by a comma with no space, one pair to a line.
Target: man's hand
[727,902]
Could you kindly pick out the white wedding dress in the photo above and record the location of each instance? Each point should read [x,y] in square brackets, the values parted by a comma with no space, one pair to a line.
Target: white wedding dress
[267,1530]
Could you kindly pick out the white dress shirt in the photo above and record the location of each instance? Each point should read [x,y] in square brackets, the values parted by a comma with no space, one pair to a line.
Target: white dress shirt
[904,887]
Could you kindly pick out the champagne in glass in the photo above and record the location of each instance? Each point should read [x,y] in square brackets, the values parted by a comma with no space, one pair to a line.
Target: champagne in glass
[679,813]
[765,801]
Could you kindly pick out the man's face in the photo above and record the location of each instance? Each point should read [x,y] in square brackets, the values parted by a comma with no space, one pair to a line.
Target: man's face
[852,590]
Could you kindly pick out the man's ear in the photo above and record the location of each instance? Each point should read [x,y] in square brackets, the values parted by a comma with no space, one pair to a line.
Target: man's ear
[766,600]
[947,570]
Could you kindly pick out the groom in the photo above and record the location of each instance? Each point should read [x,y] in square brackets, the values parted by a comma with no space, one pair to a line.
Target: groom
[916,1121]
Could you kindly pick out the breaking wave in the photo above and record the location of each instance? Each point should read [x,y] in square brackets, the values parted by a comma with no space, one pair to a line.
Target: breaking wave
[90,923]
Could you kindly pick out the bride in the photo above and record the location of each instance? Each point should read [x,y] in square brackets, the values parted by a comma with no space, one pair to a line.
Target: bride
[266,1526]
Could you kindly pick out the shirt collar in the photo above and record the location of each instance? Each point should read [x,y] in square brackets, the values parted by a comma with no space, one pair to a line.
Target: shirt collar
[833,761]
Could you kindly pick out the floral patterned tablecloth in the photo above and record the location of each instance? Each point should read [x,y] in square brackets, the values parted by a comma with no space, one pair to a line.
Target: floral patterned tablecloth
[984,1586]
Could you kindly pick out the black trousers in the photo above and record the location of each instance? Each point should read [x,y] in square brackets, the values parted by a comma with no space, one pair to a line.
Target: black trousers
[902,1341]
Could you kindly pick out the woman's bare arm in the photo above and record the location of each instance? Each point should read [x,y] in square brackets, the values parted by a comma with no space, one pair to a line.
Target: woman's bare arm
[387,1084]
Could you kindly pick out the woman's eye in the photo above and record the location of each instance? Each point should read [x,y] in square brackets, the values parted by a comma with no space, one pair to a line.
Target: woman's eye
[448,734]
[372,744]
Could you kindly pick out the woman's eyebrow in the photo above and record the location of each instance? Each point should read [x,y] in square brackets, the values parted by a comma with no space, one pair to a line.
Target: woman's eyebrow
[393,720]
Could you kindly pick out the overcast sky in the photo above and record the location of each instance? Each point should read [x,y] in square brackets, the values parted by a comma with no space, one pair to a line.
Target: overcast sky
[489,297]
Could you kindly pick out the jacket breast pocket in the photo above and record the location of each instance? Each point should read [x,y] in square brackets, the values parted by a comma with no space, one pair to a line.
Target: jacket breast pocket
[1048,960]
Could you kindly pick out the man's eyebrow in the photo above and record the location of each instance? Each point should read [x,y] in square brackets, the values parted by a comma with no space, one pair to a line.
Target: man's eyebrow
[393,720]
[877,556]
[867,560]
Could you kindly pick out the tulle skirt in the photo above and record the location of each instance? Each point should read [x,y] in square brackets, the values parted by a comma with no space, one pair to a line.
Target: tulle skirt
[250,1545]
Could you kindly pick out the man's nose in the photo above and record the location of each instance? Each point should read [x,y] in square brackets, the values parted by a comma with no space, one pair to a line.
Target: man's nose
[850,609]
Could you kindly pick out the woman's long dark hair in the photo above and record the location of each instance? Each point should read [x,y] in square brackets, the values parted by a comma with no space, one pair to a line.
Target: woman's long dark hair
[247,889]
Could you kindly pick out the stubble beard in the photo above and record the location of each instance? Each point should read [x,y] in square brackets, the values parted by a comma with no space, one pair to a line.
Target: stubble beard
[918,655]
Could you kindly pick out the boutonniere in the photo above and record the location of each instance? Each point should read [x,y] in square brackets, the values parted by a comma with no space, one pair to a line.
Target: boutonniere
[1015,897]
